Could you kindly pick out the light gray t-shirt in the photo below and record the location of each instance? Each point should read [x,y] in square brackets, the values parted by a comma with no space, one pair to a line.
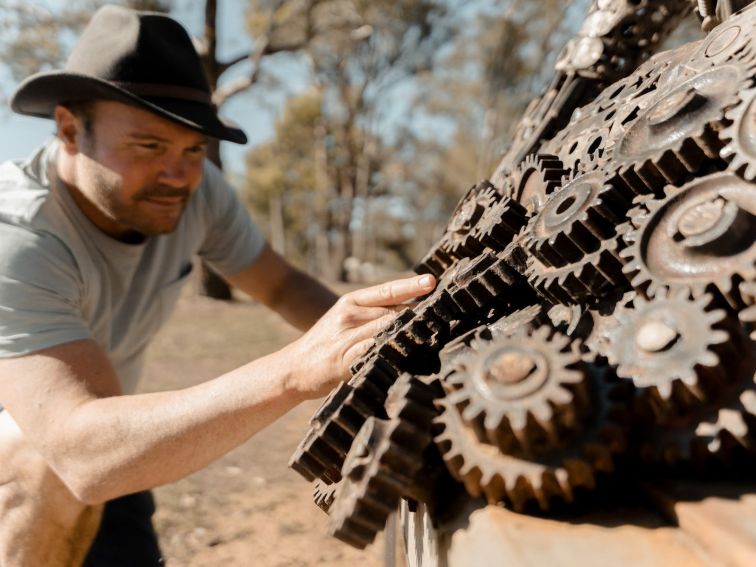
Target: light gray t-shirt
[62,279]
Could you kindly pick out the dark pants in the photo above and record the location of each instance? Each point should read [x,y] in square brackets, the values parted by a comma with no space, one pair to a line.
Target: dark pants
[126,537]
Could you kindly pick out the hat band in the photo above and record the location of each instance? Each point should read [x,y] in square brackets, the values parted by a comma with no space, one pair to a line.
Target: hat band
[165,91]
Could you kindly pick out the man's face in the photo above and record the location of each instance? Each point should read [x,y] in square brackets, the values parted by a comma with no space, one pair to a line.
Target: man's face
[135,171]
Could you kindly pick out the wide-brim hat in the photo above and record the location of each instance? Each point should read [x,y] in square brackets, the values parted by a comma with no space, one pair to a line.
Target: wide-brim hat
[145,59]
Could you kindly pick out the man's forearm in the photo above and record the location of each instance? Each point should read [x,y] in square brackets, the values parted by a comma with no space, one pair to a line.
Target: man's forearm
[123,444]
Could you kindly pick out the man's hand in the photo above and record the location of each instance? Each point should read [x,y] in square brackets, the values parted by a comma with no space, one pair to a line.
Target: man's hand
[324,354]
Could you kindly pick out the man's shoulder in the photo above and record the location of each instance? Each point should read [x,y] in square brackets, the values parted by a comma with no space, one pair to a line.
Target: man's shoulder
[24,188]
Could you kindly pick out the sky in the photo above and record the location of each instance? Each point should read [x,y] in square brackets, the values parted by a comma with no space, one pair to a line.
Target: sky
[255,111]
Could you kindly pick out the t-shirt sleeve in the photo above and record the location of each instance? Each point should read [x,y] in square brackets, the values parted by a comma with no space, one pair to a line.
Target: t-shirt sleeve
[40,292]
[232,239]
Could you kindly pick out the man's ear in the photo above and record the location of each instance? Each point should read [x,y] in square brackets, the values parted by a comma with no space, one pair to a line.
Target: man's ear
[70,129]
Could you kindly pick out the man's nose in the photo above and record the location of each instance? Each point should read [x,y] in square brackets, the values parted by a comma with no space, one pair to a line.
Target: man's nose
[174,172]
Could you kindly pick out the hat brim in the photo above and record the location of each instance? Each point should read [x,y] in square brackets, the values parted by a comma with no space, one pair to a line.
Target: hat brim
[39,94]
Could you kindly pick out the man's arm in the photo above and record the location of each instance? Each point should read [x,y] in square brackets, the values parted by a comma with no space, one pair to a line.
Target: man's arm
[296,296]
[103,445]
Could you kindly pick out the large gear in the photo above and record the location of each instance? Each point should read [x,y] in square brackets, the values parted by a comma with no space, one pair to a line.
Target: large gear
[677,135]
[486,471]
[740,150]
[383,464]
[678,351]
[521,391]
[576,219]
[697,235]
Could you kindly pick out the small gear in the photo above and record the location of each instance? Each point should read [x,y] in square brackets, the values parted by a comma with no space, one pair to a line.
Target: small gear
[592,278]
[676,350]
[677,135]
[535,179]
[740,150]
[485,470]
[576,219]
[383,464]
[521,390]
[500,223]
[697,235]
[456,242]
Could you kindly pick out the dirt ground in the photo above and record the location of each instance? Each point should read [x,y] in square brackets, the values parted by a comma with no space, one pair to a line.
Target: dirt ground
[248,508]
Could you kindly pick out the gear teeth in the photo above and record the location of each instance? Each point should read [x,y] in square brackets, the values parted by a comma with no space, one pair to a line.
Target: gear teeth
[500,224]
[536,178]
[595,276]
[574,221]
[382,464]
[740,150]
[677,135]
[323,495]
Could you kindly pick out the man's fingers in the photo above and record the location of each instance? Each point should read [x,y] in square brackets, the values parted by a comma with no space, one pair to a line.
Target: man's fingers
[394,292]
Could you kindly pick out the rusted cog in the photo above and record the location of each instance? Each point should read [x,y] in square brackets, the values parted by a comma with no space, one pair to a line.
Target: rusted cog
[486,471]
[577,218]
[500,223]
[383,464]
[702,233]
[675,349]
[677,135]
[747,315]
[535,179]
[456,242]
[521,391]
[726,41]
[740,150]
[717,428]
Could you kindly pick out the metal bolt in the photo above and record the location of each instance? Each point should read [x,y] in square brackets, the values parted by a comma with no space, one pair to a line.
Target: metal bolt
[701,218]
[674,105]
[511,368]
[656,336]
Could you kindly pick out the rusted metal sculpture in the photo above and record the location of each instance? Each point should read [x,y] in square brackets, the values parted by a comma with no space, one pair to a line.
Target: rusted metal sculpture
[595,314]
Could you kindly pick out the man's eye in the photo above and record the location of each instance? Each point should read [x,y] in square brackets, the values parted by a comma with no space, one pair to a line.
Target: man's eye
[196,150]
[149,146]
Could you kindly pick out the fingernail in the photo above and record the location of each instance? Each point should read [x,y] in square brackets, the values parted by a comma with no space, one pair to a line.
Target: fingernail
[426,281]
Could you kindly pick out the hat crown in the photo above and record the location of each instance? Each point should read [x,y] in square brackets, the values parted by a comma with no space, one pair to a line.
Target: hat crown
[122,45]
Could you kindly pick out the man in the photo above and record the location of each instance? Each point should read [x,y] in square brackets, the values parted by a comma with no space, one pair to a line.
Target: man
[97,233]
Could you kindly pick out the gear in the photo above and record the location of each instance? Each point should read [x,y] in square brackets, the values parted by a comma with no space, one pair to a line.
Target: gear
[324,494]
[595,276]
[500,224]
[676,135]
[727,40]
[456,242]
[535,178]
[740,150]
[484,470]
[334,425]
[699,234]
[576,219]
[521,390]
[383,464]
[715,430]
[676,350]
